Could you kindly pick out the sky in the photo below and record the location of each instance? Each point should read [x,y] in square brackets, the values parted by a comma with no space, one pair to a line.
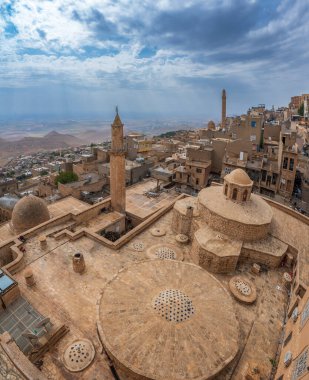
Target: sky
[154,59]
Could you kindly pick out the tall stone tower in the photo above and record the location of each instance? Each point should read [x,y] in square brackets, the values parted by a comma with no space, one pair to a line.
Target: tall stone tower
[223,115]
[117,167]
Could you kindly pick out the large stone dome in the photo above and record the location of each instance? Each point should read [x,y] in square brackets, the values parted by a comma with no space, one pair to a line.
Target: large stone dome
[168,320]
[29,212]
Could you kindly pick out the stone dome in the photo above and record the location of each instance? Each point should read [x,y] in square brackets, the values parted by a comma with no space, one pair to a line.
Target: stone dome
[164,320]
[238,186]
[211,125]
[239,177]
[29,212]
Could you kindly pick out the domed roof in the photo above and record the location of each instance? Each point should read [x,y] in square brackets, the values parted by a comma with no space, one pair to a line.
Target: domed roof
[29,212]
[211,125]
[239,177]
[172,325]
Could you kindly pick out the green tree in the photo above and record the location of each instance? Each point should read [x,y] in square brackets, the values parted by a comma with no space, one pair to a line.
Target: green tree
[301,110]
[66,177]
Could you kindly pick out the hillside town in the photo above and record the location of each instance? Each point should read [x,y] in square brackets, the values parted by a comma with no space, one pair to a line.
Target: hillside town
[162,258]
[272,146]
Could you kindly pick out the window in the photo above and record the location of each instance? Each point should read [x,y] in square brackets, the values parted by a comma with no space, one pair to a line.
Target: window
[300,366]
[253,124]
[291,166]
[227,170]
[263,176]
[274,179]
[305,314]
[197,181]
[287,339]
[244,196]
[285,163]
[199,170]
[253,138]
[234,196]
[225,189]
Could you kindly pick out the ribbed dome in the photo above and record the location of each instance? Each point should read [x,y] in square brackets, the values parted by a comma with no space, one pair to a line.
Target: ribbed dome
[239,177]
[211,125]
[29,212]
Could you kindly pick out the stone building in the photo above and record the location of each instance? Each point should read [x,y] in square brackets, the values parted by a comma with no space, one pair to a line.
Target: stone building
[288,157]
[294,357]
[248,127]
[90,182]
[195,173]
[7,204]
[135,171]
[137,145]
[229,224]
[8,185]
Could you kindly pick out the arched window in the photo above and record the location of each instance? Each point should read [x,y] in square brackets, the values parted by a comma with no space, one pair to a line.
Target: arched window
[225,189]
[244,195]
[234,196]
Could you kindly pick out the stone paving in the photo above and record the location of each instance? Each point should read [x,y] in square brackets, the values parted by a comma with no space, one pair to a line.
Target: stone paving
[72,298]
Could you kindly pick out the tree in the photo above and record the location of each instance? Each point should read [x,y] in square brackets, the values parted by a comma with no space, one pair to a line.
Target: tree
[66,177]
[301,110]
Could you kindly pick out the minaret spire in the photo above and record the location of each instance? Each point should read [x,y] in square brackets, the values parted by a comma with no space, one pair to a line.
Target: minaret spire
[117,166]
[223,114]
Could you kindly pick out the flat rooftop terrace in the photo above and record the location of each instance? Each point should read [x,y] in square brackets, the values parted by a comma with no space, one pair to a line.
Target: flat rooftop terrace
[69,298]
[142,206]
[66,205]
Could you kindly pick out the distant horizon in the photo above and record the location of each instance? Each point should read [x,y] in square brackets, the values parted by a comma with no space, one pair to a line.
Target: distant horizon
[131,116]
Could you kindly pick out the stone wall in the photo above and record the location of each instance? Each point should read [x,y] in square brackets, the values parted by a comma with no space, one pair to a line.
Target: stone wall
[212,262]
[181,224]
[6,253]
[250,255]
[14,364]
[233,228]
[92,211]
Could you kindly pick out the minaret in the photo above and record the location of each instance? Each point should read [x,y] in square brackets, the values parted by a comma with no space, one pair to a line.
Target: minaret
[223,116]
[117,167]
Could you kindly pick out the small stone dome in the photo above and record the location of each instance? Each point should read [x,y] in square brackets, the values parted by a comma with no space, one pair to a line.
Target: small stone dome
[239,177]
[211,125]
[237,186]
[29,212]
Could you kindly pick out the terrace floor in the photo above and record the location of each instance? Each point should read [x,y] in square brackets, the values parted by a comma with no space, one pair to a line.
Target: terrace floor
[142,206]
[71,299]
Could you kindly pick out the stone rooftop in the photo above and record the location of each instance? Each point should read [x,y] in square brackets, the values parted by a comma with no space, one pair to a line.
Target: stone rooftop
[253,212]
[72,298]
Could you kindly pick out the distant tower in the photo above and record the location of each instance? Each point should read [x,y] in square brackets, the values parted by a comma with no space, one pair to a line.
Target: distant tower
[117,167]
[223,116]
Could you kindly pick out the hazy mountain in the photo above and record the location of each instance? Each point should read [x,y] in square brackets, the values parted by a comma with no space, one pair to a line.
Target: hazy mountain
[52,140]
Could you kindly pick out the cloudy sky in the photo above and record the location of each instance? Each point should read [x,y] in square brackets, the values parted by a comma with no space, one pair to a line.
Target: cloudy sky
[154,58]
